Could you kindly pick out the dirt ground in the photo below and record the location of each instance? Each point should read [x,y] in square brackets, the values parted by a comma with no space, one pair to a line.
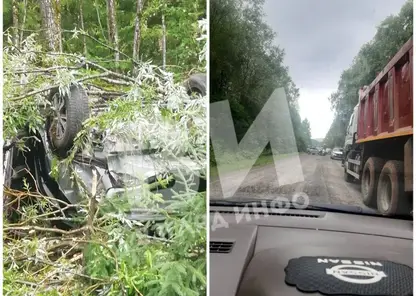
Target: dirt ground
[319,177]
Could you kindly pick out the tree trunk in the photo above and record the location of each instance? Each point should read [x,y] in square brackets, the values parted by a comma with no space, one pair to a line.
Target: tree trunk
[163,42]
[81,18]
[22,26]
[137,31]
[112,27]
[51,23]
[99,20]
[58,20]
[15,10]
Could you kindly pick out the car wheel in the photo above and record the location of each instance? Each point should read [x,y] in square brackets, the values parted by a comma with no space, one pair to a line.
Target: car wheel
[391,197]
[69,111]
[369,180]
[196,83]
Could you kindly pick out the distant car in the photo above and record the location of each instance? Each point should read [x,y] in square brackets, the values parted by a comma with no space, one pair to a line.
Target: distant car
[322,152]
[313,151]
[337,153]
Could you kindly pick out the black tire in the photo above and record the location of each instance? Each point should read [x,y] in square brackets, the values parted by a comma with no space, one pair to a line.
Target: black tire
[391,197]
[369,180]
[76,110]
[347,177]
[196,83]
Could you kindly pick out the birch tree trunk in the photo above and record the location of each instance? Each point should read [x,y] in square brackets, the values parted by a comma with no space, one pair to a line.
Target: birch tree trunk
[81,18]
[22,26]
[137,31]
[57,7]
[99,20]
[112,27]
[51,23]
[15,12]
[163,42]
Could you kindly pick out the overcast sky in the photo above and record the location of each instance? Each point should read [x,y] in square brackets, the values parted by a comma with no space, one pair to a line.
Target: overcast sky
[320,38]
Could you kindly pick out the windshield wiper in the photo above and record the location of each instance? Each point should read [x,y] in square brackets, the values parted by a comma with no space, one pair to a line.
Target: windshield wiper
[333,208]
[277,204]
[235,203]
[340,208]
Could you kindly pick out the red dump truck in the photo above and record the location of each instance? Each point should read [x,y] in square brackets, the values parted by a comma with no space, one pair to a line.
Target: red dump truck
[379,141]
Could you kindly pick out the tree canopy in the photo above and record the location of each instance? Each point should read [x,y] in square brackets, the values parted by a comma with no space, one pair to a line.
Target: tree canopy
[246,66]
[80,17]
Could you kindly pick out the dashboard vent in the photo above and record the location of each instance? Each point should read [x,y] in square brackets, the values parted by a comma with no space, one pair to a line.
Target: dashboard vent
[286,214]
[220,247]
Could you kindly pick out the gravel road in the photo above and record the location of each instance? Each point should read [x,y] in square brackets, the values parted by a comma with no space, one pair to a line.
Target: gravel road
[319,177]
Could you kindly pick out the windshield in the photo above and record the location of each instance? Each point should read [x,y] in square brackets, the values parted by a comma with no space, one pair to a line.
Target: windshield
[283,86]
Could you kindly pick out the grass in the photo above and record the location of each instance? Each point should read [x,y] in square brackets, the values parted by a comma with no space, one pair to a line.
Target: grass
[261,161]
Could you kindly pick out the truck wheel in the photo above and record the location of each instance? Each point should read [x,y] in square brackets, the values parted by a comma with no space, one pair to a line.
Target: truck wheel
[347,177]
[369,180]
[196,83]
[391,198]
[69,112]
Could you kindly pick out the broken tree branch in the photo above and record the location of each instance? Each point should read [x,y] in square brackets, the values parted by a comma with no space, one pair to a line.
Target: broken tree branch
[44,229]
[51,69]
[32,93]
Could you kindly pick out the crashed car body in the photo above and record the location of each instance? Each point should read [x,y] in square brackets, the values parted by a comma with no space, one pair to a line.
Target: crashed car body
[114,167]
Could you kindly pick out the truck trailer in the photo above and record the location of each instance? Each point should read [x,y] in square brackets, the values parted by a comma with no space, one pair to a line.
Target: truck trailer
[379,140]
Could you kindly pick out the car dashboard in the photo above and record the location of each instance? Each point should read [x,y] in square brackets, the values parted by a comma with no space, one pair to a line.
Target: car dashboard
[250,250]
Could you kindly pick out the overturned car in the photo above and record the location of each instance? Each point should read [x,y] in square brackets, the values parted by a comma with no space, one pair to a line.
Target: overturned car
[113,166]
